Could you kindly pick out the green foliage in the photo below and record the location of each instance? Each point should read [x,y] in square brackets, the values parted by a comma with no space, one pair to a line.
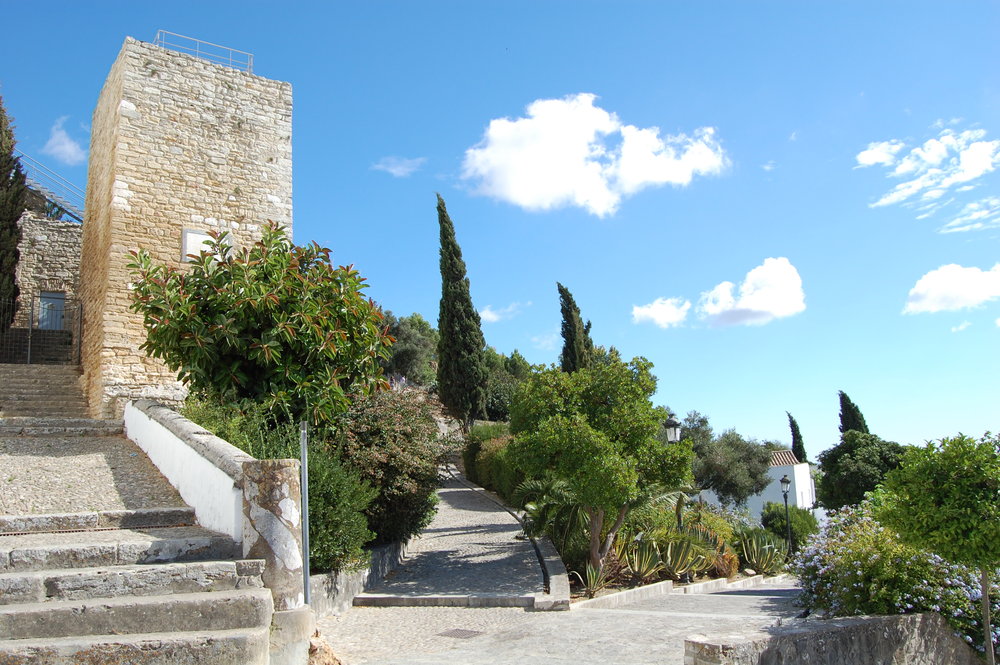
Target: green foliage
[853,467]
[414,353]
[857,566]
[461,371]
[391,439]
[497,469]
[642,560]
[798,447]
[517,366]
[761,551]
[473,444]
[594,581]
[946,498]
[733,467]
[338,498]
[13,192]
[578,348]
[551,508]
[595,429]
[851,418]
[803,522]
[680,557]
[273,322]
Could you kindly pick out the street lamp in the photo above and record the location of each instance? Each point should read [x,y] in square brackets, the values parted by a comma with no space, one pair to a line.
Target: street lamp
[673,427]
[785,485]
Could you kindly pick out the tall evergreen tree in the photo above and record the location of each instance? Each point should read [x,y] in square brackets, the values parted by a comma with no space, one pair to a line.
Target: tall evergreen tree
[798,447]
[461,371]
[578,348]
[12,201]
[851,417]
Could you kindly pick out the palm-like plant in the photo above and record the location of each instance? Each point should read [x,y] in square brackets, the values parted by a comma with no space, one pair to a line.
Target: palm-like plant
[551,508]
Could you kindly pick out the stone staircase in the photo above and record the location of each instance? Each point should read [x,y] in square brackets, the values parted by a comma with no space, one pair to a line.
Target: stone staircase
[100,559]
[41,390]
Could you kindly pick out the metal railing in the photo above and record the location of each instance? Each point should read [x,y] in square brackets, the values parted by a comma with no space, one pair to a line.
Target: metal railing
[55,188]
[220,55]
[41,331]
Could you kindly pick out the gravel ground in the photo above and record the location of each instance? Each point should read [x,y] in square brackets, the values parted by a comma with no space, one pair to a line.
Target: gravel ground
[65,474]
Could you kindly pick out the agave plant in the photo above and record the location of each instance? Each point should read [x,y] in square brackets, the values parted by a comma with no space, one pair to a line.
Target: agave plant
[679,558]
[595,580]
[762,552]
[642,558]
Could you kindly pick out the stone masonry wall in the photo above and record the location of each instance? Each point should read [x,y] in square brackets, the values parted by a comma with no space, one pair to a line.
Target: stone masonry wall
[50,260]
[177,143]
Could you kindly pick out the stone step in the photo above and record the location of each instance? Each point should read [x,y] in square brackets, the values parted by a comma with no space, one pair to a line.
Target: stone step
[103,519]
[76,409]
[35,426]
[213,610]
[88,549]
[139,580]
[219,647]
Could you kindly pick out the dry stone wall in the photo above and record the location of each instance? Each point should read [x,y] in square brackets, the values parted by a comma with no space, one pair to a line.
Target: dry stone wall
[49,260]
[179,146]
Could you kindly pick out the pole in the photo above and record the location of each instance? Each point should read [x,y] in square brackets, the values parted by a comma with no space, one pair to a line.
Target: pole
[788,525]
[304,481]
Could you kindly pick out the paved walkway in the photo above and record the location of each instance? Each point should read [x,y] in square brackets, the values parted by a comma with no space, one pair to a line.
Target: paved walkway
[471,547]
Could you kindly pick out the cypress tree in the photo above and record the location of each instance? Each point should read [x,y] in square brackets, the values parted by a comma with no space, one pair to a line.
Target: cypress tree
[461,371]
[851,417]
[798,447]
[578,348]
[13,191]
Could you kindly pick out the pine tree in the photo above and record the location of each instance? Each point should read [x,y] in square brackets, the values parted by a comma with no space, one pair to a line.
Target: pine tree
[12,199]
[851,417]
[798,447]
[578,348]
[461,371]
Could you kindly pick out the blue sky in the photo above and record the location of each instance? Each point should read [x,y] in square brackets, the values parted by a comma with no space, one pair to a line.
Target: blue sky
[772,201]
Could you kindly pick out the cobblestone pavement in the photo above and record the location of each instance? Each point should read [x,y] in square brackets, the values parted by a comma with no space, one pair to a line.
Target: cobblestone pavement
[650,631]
[65,474]
[470,547]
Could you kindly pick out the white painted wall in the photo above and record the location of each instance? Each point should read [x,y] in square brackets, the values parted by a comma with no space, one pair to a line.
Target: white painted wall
[215,496]
[802,492]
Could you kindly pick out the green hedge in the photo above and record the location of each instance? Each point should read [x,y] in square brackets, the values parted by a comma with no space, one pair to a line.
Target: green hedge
[495,469]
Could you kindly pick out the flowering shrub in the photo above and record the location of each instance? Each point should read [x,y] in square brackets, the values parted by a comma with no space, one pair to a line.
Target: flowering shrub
[856,566]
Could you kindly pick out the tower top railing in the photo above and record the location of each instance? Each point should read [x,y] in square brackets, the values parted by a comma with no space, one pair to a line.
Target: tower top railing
[220,55]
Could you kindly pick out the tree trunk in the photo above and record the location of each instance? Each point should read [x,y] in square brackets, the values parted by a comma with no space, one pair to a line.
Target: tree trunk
[610,539]
[984,581]
[596,524]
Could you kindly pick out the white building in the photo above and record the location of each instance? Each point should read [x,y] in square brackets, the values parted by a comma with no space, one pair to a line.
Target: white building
[801,492]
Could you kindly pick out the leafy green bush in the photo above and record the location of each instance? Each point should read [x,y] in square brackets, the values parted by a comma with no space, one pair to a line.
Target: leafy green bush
[473,443]
[338,498]
[803,522]
[856,566]
[761,551]
[392,441]
[496,468]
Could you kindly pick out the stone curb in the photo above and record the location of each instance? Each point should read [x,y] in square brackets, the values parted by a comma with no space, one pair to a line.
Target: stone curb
[104,519]
[613,600]
[224,455]
[444,600]
[557,597]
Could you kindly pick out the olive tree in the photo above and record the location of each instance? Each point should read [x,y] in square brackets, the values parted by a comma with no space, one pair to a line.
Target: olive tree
[946,498]
[274,323]
[595,430]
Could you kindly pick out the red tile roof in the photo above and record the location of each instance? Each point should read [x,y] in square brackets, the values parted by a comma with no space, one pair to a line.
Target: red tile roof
[783,458]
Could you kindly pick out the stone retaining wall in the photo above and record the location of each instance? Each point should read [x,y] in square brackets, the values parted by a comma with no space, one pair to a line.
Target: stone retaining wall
[49,259]
[910,639]
[333,593]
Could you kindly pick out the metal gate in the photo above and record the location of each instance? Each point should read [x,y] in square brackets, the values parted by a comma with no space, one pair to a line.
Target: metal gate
[44,330]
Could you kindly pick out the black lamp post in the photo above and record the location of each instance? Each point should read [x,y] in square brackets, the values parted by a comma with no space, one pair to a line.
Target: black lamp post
[785,485]
[673,427]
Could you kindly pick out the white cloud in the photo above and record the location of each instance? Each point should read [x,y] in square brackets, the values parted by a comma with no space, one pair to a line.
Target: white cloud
[953,287]
[772,290]
[883,152]
[63,147]
[664,312]
[794,136]
[549,342]
[569,152]
[975,216]
[400,167]
[768,166]
[949,162]
[998,323]
[490,315]
[961,326]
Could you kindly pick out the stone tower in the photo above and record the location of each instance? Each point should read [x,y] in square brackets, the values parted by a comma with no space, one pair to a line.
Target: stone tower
[179,146]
